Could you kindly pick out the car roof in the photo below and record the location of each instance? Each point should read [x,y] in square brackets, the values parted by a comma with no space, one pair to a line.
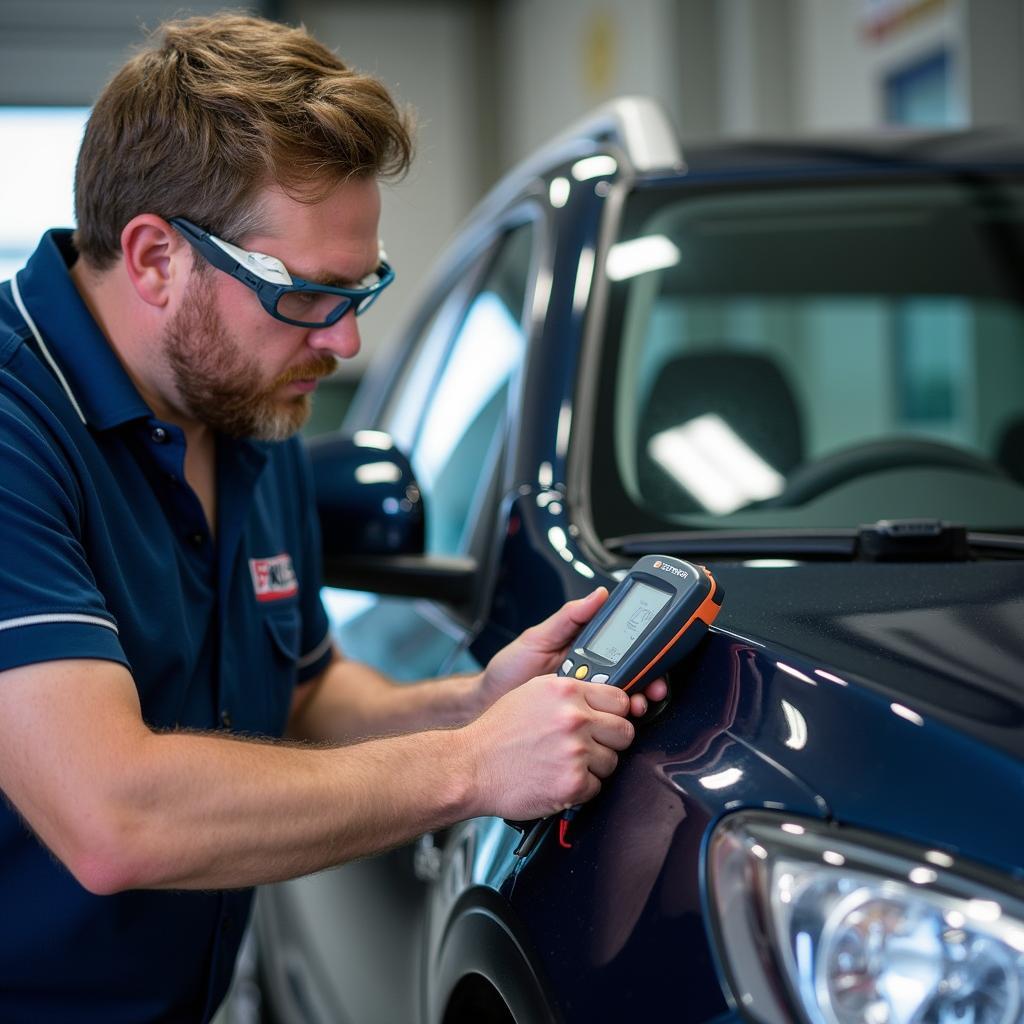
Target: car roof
[990,149]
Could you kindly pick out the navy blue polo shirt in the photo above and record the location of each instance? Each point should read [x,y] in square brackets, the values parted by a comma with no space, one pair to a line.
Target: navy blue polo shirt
[105,553]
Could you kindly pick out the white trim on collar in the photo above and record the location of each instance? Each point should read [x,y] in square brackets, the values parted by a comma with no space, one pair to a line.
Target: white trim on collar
[16,292]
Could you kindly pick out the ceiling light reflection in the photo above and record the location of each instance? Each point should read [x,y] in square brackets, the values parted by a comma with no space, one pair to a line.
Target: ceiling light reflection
[714,464]
[987,911]
[373,439]
[831,678]
[904,712]
[584,275]
[797,727]
[640,256]
[564,427]
[795,673]
[721,780]
[943,860]
[594,166]
[557,537]
[558,192]
[378,473]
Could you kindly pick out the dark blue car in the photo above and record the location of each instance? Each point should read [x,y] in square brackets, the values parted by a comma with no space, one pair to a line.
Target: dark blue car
[801,364]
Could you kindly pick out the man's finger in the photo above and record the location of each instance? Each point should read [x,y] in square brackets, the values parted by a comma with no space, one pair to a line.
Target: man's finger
[563,626]
[612,731]
[656,690]
[606,698]
[603,762]
[637,705]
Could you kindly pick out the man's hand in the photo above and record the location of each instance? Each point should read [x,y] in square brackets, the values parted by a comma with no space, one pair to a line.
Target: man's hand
[544,746]
[542,648]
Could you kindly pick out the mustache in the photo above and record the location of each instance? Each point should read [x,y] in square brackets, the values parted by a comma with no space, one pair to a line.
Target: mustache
[321,366]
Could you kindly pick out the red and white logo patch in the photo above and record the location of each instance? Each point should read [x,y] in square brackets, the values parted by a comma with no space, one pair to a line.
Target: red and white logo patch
[273,578]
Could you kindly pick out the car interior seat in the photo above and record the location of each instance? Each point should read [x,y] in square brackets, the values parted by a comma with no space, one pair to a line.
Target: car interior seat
[1010,448]
[747,390]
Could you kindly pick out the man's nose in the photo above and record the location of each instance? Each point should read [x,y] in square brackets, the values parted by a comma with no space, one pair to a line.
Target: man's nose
[341,339]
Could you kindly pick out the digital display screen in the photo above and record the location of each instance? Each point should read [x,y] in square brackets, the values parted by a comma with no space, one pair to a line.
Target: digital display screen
[641,603]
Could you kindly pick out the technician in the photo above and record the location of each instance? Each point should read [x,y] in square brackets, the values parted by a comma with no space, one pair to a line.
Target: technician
[160,619]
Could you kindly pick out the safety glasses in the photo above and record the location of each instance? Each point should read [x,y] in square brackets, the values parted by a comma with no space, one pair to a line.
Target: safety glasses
[291,299]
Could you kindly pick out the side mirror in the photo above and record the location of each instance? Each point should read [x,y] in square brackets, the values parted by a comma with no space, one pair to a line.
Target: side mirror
[373,524]
[366,495]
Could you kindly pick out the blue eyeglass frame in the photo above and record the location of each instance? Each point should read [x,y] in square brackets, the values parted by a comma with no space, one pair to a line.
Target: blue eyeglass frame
[269,292]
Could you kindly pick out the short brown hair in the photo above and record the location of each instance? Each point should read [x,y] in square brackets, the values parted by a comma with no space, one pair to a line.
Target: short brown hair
[214,109]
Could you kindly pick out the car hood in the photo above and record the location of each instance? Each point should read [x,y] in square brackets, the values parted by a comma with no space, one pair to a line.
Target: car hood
[946,638]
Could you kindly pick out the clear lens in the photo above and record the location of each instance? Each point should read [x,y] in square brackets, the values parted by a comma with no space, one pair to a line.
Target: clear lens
[316,307]
[857,933]
[363,304]
[309,307]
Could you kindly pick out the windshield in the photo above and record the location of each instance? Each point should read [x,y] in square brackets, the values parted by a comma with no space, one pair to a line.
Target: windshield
[814,357]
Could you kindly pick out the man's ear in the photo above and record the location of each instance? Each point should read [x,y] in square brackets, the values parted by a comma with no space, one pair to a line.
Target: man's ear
[155,257]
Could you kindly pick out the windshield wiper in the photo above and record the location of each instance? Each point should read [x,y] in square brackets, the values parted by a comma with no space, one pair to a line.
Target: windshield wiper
[888,540]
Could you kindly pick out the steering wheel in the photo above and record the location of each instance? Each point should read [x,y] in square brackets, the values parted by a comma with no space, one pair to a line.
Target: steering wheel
[814,478]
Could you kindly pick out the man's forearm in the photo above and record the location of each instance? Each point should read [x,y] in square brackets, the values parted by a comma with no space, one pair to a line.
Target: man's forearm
[204,811]
[352,701]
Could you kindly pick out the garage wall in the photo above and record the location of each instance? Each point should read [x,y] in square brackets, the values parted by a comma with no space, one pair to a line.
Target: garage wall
[424,52]
[842,69]
[562,59]
[60,52]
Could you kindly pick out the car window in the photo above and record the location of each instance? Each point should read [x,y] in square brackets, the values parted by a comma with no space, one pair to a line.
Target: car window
[410,396]
[460,414]
[816,357]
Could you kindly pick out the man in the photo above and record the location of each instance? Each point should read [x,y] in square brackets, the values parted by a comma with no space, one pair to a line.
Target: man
[160,623]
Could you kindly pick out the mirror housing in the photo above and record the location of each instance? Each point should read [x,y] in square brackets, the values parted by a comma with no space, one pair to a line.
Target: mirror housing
[372,522]
[366,495]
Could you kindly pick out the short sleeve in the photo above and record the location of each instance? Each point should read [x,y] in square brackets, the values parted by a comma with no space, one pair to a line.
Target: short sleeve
[50,606]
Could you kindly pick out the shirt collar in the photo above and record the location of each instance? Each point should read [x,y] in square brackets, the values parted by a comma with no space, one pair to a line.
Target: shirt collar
[94,375]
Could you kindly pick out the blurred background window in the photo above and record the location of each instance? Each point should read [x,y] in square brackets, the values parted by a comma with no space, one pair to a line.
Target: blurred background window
[37,176]
[921,94]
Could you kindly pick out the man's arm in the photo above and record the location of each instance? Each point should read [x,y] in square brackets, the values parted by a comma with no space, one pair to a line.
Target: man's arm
[123,807]
[349,700]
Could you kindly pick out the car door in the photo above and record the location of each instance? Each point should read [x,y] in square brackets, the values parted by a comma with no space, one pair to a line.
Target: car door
[341,945]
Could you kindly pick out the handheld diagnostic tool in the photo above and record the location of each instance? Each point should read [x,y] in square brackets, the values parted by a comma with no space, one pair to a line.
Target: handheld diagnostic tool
[653,618]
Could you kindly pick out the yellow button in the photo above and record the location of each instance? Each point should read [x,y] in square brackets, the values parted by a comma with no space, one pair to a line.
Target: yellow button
[581,672]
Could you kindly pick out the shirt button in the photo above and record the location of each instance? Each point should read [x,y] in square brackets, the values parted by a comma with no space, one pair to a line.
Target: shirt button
[225,718]
[197,540]
[159,435]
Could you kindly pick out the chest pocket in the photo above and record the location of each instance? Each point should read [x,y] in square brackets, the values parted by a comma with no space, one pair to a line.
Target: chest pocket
[283,638]
[283,628]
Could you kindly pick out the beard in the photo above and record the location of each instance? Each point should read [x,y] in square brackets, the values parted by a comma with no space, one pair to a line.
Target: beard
[220,385]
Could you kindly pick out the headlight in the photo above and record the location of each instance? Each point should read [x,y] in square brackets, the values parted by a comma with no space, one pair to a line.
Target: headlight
[850,928]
